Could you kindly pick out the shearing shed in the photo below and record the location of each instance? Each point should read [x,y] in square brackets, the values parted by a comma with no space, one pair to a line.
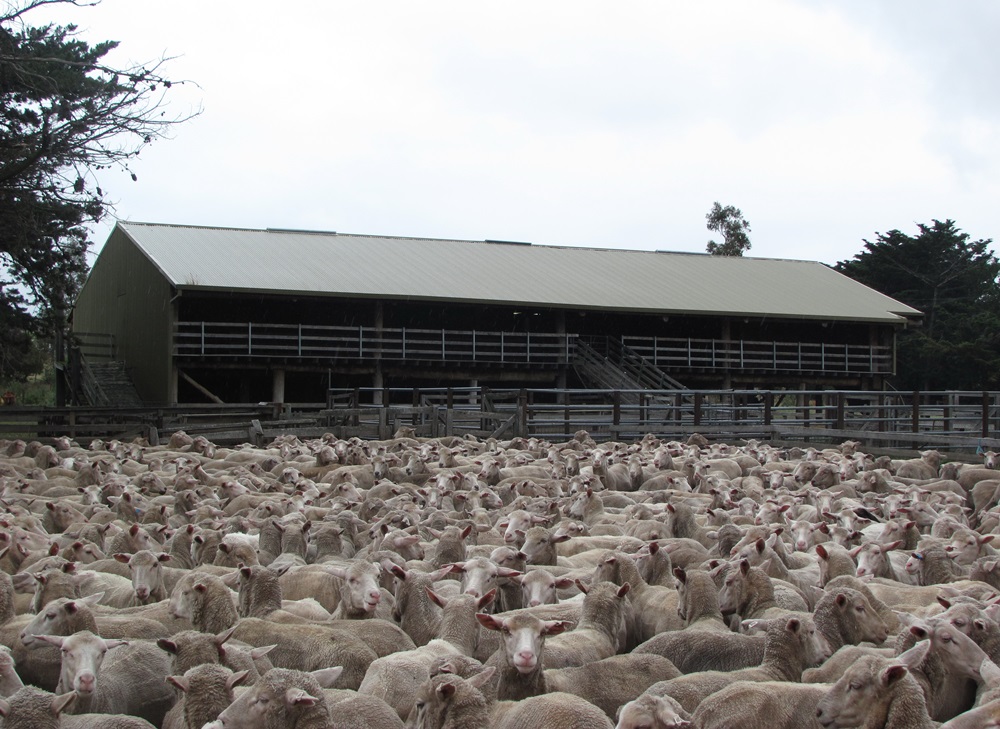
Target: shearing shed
[196,314]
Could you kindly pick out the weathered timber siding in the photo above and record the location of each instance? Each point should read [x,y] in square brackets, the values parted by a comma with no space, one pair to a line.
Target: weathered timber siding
[126,295]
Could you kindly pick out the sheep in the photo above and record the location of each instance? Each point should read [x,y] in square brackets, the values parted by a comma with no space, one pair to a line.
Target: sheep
[539,587]
[416,613]
[703,650]
[653,712]
[39,662]
[129,680]
[612,681]
[309,647]
[479,575]
[448,701]
[281,699]
[32,708]
[846,616]
[599,633]
[207,690]
[147,573]
[10,681]
[362,596]
[880,560]
[789,648]
[550,710]
[877,693]
[519,672]
[698,601]
[190,648]
[760,705]
[932,565]
[206,601]
[654,607]
[396,678]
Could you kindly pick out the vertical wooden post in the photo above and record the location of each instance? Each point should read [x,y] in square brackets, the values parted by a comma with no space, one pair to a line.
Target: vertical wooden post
[697,409]
[881,412]
[522,413]
[915,409]
[840,411]
[678,404]
[768,406]
[616,411]
[482,409]
[416,404]
[986,414]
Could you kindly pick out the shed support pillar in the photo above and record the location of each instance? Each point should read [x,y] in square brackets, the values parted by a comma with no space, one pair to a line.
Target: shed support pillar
[172,387]
[278,386]
[378,383]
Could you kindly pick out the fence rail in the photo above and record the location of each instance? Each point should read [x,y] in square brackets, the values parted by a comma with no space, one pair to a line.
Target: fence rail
[951,420]
[961,419]
[215,339]
[96,345]
[756,355]
[301,341]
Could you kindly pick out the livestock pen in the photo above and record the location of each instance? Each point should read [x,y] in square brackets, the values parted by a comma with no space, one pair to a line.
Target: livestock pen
[957,420]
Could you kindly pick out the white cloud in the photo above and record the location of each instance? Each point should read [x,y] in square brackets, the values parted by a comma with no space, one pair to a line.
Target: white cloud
[571,122]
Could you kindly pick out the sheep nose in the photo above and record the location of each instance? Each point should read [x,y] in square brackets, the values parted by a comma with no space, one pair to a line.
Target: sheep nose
[87,681]
[534,603]
[375,595]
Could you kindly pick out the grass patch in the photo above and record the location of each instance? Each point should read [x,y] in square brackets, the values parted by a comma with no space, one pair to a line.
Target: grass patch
[37,390]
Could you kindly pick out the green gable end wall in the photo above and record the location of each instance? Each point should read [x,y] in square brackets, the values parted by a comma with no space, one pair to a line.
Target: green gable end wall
[127,296]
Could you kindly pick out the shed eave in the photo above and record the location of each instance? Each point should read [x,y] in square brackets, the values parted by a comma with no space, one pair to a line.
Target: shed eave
[889,319]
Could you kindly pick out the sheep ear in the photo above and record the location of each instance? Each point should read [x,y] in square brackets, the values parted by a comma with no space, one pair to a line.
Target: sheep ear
[489,622]
[912,658]
[893,673]
[224,636]
[990,673]
[167,645]
[435,598]
[236,679]
[555,627]
[4,707]
[327,676]
[256,653]
[446,690]
[60,703]
[56,640]
[180,682]
[481,678]
[90,600]
[298,697]
[487,599]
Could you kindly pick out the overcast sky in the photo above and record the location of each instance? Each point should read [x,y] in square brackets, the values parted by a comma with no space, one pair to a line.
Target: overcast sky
[570,123]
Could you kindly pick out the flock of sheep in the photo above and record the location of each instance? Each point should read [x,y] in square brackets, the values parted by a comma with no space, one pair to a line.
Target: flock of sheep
[457,584]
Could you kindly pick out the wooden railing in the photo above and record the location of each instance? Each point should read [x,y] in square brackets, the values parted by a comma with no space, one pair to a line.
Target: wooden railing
[672,354]
[961,420]
[95,345]
[955,421]
[301,341]
[220,339]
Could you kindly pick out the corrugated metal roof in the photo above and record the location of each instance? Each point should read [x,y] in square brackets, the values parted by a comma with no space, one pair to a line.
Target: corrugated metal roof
[310,263]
